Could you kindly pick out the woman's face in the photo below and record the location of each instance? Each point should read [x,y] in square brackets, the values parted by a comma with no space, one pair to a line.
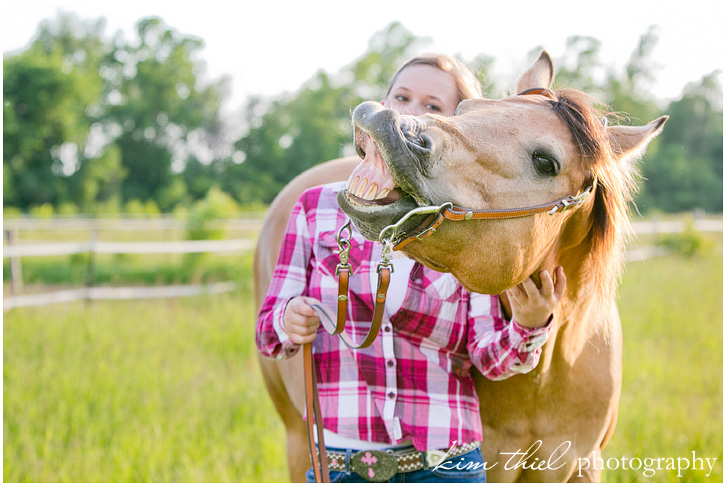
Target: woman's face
[421,89]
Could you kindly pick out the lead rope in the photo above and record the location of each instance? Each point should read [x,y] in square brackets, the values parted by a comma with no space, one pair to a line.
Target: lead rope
[312,401]
[312,405]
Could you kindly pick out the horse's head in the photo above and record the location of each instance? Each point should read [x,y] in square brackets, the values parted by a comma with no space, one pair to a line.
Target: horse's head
[520,151]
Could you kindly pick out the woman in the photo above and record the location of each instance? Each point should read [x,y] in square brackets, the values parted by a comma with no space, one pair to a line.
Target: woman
[411,393]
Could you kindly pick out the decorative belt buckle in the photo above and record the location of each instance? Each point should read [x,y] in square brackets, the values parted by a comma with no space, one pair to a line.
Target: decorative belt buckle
[374,466]
[435,457]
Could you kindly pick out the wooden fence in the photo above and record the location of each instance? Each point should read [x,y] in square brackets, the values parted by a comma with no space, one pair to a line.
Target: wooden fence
[15,250]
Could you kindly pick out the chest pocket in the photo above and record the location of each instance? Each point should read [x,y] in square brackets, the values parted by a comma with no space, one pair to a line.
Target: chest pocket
[327,261]
[324,282]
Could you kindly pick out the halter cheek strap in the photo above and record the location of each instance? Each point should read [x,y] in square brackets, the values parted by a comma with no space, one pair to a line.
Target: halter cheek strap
[452,212]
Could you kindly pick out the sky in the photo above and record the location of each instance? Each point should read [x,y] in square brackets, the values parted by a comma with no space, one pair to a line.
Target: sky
[267,47]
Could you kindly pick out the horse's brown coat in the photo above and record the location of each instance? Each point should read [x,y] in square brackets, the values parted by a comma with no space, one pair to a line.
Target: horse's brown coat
[569,402]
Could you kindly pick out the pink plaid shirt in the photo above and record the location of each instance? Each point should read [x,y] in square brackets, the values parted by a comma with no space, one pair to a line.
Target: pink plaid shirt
[414,383]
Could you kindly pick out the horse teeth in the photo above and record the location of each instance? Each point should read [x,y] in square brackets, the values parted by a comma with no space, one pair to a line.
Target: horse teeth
[371,194]
[383,193]
[352,185]
[361,187]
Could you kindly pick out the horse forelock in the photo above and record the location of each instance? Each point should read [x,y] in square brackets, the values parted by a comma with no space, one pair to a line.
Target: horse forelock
[615,184]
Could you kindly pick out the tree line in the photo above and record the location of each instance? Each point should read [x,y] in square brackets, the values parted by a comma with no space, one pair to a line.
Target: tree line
[98,125]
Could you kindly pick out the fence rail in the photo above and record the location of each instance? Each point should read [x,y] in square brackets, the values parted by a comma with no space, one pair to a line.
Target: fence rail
[708,224]
[138,248]
[662,227]
[120,224]
[15,251]
[114,293]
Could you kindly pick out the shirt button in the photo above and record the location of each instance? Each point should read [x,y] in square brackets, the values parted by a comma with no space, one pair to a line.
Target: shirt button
[386,328]
[390,363]
[391,395]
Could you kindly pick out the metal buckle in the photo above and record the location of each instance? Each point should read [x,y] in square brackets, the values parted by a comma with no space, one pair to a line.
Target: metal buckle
[386,255]
[393,228]
[571,201]
[425,233]
[343,249]
[374,466]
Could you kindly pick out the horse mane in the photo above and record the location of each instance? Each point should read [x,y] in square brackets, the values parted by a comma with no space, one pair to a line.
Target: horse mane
[614,189]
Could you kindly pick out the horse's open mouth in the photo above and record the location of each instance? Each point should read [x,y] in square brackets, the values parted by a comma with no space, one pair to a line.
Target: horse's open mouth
[371,181]
[372,198]
[377,193]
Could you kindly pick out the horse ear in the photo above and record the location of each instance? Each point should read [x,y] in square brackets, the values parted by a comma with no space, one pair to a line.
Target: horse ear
[630,142]
[540,75]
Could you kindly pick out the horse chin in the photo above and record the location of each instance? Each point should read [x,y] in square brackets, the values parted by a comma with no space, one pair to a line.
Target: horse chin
[369,217]
[430,263]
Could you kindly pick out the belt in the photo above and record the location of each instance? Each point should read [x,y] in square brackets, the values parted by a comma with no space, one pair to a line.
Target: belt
[379,466]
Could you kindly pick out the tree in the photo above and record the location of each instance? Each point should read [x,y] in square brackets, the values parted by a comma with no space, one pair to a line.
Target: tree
[686,169]
[100,123]
[580,67]
[47,92]
[89,120]
[165,116]
[629,92]
[292,133]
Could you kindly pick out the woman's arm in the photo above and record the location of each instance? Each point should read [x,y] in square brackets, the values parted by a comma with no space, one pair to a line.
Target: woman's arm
[289,280]
[501,348]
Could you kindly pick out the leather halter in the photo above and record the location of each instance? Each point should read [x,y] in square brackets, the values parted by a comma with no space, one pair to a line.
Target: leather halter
[451,212]
[540,91]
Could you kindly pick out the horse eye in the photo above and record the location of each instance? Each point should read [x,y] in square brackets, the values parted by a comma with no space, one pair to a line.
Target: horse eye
[545,165]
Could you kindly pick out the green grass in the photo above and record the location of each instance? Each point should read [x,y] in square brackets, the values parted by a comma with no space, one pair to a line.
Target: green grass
[170,390]
[156,391]
[672,315]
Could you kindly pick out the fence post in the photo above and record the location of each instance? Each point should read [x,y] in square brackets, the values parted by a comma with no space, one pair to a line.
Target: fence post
[16,269]
[91,268]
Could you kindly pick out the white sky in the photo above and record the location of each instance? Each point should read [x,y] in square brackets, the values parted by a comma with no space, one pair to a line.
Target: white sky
[269,46]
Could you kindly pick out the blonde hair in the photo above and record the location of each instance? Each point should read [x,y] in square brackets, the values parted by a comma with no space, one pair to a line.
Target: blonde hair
[467,85]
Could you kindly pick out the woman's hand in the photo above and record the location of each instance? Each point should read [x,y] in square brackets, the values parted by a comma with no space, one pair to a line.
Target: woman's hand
[300,320]
[532,306]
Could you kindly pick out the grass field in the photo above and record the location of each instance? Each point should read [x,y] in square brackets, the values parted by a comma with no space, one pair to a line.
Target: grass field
[672,400]
[169,390]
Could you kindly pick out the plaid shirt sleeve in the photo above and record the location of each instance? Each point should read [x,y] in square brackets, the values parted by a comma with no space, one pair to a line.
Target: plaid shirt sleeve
[500,348]
[289,280]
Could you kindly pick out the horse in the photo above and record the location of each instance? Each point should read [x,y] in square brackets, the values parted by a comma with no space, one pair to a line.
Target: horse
[503,157]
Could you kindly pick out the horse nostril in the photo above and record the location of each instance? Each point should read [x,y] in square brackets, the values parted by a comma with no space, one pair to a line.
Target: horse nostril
[420,145]
[426,142]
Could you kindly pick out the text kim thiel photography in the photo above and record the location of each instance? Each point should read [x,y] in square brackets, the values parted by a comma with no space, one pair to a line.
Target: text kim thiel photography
[528,460]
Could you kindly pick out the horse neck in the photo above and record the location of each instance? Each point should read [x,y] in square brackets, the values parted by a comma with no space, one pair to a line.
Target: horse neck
[586,310]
